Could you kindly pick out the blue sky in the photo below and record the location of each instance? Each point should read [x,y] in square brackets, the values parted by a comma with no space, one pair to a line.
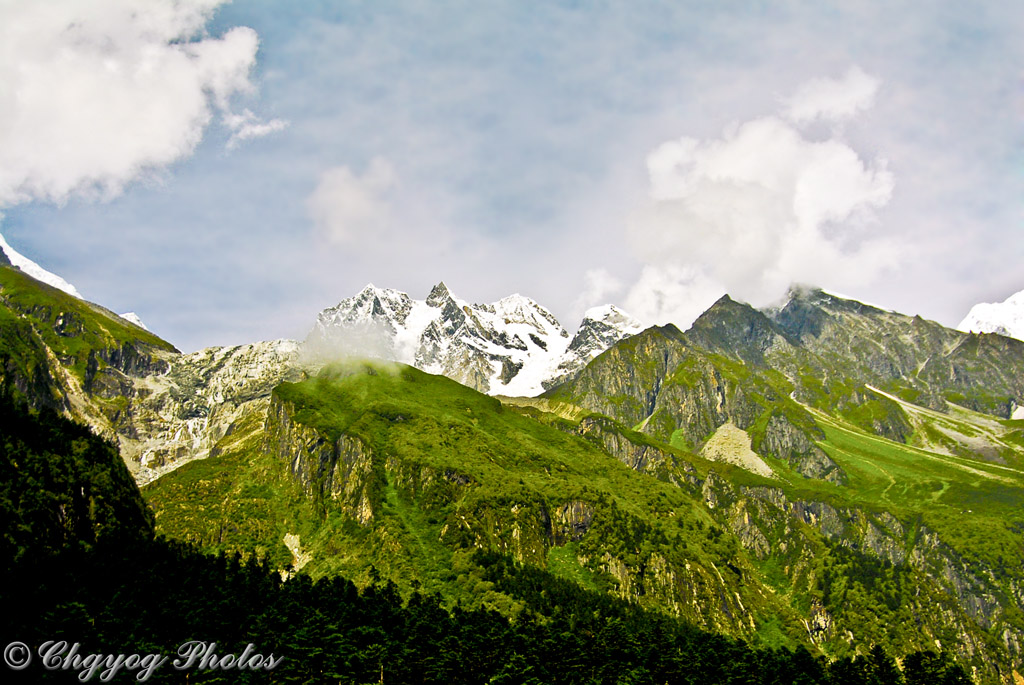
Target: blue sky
[645,153]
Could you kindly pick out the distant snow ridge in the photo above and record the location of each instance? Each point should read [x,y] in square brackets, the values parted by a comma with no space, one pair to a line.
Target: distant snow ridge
[134,318]
[511,347]
[35,271]
[601,328]
[1005,318]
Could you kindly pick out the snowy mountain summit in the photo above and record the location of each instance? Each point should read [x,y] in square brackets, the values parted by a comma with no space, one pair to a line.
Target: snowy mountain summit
[1005,318]
[511,347]
[8,255]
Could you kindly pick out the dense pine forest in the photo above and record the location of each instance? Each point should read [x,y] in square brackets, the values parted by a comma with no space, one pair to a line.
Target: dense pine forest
[82,564]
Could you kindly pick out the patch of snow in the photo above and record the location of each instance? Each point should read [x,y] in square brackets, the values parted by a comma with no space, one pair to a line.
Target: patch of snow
[134,318]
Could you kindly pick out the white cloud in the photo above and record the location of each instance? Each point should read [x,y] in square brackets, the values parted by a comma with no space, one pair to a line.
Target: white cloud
[349,208]
[96,94]
[833,99]
[765,206]
[671,294]
[246,126]
[599,285]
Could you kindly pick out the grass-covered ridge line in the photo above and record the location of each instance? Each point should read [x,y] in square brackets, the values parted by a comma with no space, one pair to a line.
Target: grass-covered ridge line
[34,314]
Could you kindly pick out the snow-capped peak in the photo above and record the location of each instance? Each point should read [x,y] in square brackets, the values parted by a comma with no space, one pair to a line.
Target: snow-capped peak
[519,309]
[132,317]
[1005,318]
[513,346]
[613,316]
[35,271]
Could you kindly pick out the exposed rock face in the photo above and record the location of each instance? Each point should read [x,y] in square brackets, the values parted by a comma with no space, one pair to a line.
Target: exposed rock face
[762,370]
[645,458]
[165,409]
[601,328]
[895,351]
[571,521]
[513,346]
[341,470]
[786,442]
[179,415]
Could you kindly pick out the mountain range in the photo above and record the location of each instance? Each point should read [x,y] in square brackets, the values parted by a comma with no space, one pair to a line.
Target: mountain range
[511,347]
[823,474]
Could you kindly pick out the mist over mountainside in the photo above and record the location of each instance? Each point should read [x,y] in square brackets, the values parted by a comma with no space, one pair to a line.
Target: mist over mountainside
[824,473]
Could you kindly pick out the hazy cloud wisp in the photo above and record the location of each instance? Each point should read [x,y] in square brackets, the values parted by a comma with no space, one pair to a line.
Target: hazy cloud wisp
[833,99]
[347,207]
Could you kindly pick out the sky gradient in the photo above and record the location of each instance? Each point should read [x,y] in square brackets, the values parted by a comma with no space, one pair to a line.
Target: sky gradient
[228,170]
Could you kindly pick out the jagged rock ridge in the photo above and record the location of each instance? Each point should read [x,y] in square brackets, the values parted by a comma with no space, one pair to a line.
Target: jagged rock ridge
[512,347]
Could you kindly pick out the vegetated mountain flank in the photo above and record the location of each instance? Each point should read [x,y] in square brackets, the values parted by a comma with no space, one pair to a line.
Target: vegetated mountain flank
[60,573]
[161,407]
[1005,318]
[374,470]
[511,347]
[891,514]
[861,412]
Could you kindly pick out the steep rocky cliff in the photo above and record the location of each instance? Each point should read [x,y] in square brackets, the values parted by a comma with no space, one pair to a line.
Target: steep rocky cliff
[161,407]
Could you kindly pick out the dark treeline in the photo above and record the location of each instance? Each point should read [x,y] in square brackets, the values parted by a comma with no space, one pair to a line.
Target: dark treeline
[81,564]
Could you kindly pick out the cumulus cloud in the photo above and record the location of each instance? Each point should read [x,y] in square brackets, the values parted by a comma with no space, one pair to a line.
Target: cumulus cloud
[765,205]
[833,99]
[350,208]
[671,294]
[599,285]
[97,94]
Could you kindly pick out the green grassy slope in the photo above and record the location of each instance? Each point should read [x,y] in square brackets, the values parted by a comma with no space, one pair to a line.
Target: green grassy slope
[46,332]
[446,470]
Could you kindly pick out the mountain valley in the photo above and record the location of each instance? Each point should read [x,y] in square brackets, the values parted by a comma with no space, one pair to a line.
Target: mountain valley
[825,474]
